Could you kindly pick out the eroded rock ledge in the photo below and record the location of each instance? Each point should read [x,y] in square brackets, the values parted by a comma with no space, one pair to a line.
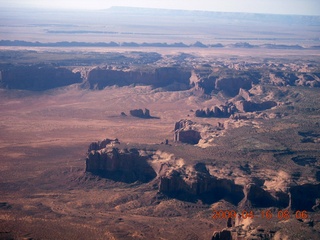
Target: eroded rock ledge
[127,165]
[193,182]
[158,77]
[37,77]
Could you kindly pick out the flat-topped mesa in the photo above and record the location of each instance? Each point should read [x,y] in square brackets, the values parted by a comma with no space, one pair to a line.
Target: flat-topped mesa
[249,106]
[107,160]
[199,185]
[158,77]
[37,77]
[193,182]
[184,132]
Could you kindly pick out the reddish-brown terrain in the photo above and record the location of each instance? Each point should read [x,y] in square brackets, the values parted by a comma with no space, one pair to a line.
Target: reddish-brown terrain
[149,140]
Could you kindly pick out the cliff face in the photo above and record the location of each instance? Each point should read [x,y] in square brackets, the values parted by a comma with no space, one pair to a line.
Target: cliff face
[199,184]
[184,133]
[193,182]
[37,78]
[126,165]
[249,106]
[159,77]
[305,197]
[222,111]
[231,86]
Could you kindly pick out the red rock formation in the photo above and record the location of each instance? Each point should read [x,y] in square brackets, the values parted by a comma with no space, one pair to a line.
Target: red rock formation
[140,114]
[37,78]
[183,132]
[159,77]
[222,111]
[248,106]
[199,185]
[126,165]
[231,86]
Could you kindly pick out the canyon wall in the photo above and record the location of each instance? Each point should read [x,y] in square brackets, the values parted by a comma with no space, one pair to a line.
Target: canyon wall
[37,78]
[159,77]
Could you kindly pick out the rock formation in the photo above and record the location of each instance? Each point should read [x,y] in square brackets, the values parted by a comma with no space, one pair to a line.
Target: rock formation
[95,146]
[140,113]
[187,182]
[183,132]
[231,85]
[158,77]
[257,197]
[249,106]
[199,184]
[37,77]
[126,165]
[222,111]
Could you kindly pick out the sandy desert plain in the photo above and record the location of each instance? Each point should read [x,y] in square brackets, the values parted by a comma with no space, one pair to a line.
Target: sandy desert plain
[246,114]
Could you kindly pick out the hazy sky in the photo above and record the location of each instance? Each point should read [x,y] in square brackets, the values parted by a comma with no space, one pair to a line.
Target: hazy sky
[305,7]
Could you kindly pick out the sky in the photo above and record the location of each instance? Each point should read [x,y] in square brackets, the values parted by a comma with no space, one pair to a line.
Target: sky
[301,7]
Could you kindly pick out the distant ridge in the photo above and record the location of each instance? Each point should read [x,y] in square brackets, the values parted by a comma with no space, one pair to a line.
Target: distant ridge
[161,45]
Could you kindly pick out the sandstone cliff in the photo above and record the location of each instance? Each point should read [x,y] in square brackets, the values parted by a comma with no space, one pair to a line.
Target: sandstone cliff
[183,132]
[158,77]
[193,182]
[249,106]
[126,165]
[222,111]
[198,184]
[37,78]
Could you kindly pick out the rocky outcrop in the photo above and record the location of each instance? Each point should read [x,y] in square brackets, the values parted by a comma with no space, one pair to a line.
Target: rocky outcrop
[199,185]
[249,106]
[222,111]
[207,83]
[37,78]
[125,165]
[184,133]
[187,131]
[140,113]
[231,85]
[159,77]
[95,146]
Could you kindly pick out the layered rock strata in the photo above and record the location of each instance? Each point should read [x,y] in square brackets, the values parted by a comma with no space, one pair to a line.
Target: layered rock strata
[159,77]
[126,165]
[37,77]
